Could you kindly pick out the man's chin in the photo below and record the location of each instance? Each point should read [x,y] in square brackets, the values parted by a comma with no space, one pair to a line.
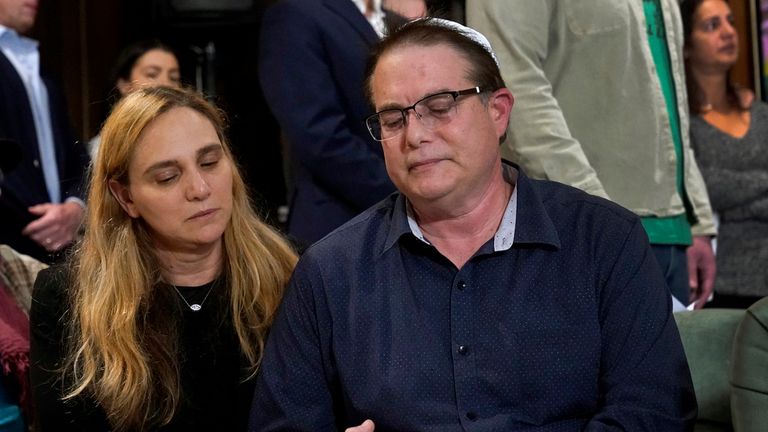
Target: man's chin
[25,27]
[429,191]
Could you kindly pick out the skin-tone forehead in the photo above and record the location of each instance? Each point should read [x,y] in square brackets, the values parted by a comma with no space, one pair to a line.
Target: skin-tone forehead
[709,8]
[180,133]
[452,69]
[157,56]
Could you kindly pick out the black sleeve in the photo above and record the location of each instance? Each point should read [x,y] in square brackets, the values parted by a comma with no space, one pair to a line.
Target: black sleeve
[48,321]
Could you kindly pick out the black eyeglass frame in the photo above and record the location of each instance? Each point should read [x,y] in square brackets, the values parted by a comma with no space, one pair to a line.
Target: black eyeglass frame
[476,90]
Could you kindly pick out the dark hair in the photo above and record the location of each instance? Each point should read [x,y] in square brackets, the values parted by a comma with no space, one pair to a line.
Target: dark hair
[696,100]
[131,54]
[484,71]
[123,66]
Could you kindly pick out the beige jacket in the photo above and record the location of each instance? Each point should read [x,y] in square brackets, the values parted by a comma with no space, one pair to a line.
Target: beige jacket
[589,110]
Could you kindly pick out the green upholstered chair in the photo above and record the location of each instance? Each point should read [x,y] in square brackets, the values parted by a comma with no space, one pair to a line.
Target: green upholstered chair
[749,371]
[708,337]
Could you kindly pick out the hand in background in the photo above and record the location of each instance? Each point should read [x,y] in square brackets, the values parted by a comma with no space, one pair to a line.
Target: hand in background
[366,426]
[701,270]
[57,225]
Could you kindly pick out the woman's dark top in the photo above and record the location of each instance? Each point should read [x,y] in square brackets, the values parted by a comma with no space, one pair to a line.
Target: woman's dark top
[212,367]
[736,173]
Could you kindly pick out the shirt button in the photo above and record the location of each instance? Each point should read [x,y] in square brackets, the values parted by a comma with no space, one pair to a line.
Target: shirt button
[471,416]
[461,285]
[36,163]
[463,349]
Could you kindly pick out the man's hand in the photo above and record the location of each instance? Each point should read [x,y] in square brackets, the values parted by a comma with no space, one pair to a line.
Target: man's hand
[701,270]
[366,426]
[57,225]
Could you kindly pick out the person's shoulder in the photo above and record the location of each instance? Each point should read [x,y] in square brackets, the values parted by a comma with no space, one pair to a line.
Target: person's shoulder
[294,7]
[561,198]
[760,108]
[289,22]
[52,284]
[366,228]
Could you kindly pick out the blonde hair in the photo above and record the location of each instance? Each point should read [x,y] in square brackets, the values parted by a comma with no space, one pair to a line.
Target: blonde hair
[122,354]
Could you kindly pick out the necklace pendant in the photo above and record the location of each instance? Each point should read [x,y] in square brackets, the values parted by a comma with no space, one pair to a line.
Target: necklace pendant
[195,306]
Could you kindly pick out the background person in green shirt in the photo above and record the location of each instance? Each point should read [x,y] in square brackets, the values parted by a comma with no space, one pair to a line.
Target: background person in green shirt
[601,105]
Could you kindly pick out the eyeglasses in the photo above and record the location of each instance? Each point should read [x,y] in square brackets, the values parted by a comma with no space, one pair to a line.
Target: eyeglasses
[432,110]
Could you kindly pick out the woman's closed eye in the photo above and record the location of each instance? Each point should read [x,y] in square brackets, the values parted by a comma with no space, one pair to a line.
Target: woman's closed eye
[210,163]
[166,177]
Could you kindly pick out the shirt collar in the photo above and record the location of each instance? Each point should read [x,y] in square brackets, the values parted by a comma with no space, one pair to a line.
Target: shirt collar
[376,20]
[525,219]
[504,236]
[16,43]
[361,4]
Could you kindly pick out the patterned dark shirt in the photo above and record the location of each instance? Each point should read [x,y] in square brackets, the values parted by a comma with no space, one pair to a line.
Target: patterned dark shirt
[567,330]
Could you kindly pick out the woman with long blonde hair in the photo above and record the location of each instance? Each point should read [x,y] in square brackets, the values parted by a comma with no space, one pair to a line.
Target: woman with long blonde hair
[159,320]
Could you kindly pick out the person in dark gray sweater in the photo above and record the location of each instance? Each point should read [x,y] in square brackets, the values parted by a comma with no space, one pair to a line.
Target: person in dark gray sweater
[728,134]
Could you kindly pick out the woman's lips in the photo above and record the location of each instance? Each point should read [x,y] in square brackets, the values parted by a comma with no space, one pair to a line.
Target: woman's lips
[202,214]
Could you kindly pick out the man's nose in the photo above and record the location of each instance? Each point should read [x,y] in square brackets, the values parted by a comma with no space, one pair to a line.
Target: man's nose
[414,130]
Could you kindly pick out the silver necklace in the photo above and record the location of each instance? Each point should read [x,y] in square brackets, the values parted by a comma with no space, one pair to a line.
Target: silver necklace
[195,306]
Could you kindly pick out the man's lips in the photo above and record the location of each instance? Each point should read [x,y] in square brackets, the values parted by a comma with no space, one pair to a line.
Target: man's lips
[423,163]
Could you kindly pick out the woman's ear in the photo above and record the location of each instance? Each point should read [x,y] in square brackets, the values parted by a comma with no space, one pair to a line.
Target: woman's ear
[124,86]
[123,196]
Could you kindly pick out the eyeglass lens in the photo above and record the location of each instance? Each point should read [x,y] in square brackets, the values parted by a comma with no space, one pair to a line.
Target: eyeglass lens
[390,123]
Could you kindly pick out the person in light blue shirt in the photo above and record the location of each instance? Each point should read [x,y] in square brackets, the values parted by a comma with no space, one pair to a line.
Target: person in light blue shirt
[40,206]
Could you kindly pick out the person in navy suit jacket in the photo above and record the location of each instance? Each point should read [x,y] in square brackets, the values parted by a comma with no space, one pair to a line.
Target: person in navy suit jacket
[37,216]
[311,68]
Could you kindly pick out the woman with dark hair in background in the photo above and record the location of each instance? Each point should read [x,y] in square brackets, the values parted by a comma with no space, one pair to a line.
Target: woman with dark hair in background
[728,134]
[159,320]
[141,64]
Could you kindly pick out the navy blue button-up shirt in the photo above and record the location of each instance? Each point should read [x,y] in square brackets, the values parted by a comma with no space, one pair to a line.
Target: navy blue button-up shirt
[567,330]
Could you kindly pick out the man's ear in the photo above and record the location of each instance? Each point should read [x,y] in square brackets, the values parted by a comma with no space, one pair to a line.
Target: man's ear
[500,107]
[123,196]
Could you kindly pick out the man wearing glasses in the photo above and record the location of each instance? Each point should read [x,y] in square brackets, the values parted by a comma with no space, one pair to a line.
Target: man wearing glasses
[475,298]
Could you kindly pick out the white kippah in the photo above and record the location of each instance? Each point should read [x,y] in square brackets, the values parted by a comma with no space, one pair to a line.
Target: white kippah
[471,33]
